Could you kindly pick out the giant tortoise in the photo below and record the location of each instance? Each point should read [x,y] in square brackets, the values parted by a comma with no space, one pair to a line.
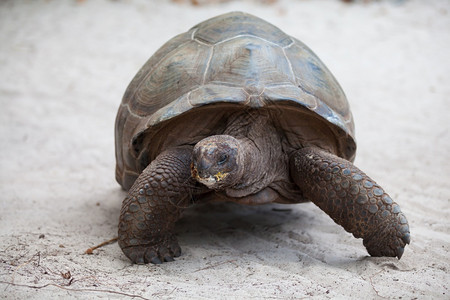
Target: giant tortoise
[236,110]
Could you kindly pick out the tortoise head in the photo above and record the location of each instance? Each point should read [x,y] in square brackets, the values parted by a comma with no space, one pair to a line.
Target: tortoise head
[217,162]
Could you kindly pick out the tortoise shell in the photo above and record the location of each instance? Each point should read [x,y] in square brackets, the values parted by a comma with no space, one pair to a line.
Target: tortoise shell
[234,61]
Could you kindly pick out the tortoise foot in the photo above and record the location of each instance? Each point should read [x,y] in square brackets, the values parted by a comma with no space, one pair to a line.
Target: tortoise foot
[391,241]
[352,199]
[164,251]
[153,205]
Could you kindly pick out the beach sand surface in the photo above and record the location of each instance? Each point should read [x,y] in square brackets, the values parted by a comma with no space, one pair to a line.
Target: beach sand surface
[64,66]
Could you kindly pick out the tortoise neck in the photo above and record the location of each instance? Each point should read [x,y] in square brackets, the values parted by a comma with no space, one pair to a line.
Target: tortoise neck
[259,151]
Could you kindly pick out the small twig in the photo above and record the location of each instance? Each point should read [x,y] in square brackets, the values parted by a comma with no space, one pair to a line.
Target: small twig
[39,259]
[216,265]
[172,292]
[373,287]
[23,255]
[74,290]
[38,254]
[90,250]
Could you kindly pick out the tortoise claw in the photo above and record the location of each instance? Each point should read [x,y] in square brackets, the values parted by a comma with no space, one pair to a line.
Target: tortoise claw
[168,258]
[139,261]
[400,251]
[156,254]
[156,261]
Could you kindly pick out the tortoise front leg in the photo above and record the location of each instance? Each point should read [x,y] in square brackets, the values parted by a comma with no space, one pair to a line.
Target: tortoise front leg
[152,207]
[351,199]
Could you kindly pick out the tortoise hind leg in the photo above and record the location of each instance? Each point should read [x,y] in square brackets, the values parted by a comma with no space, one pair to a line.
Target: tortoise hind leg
[351,199]
[152,207]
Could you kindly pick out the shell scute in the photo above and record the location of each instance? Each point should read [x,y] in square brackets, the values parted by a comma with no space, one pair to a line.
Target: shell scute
[177,42]
[234,25]
[248,61]
[314,78]
[176,75]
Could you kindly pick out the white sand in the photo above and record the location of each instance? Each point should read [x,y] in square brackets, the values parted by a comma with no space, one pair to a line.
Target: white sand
[63,69]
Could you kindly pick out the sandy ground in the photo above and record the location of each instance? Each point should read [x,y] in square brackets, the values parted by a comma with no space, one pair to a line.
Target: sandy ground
[64,66]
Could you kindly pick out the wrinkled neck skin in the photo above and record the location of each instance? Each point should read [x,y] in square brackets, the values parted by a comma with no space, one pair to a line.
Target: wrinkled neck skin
[259,152]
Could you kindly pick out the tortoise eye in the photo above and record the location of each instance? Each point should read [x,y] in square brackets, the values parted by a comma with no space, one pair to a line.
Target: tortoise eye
[222,159]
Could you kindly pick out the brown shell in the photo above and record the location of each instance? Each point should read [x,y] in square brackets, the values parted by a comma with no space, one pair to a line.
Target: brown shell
[232,59]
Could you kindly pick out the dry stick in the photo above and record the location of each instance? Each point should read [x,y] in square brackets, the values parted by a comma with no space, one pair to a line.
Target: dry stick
[90,250]
[371,283]
[216,265]
[38,254]
[74,290]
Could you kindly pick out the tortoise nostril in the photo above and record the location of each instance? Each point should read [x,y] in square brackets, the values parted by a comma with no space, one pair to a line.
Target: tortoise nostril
[203,166]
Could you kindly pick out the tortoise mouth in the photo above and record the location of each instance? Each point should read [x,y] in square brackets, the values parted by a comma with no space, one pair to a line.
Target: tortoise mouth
[210,181]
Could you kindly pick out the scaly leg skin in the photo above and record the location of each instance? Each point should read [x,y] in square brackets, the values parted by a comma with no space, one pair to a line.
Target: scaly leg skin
[352,200]
[152,207]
